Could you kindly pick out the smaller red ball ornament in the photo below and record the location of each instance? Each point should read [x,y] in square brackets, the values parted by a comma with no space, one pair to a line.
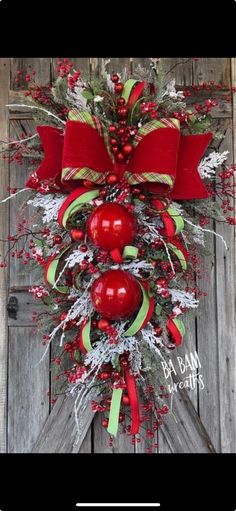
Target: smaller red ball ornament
[112,179]
[119,87]
[116,294]
[127,149]
[77,234]
[120,158]
[112,129]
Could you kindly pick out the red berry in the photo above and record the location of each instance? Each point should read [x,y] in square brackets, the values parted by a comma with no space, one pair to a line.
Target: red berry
[57,239]
[124,363]
[105,375]
[142,197]
[121,101]
[119,87]
[121,417]
[104,423]
[122,111]
[114,78]
[83,248]
[112,129]
[158,331]
[113,141]
[121,132]
[125,400]
[161,281]
[103,324]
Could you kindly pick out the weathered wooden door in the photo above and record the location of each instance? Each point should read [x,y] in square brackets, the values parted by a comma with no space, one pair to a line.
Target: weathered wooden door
[206,420]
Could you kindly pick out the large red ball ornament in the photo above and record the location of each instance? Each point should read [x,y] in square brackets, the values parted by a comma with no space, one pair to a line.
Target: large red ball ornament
[111,226]
[116,294]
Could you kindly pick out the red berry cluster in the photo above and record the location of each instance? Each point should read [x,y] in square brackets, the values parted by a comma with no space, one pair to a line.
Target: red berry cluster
[149,108]
[72,79]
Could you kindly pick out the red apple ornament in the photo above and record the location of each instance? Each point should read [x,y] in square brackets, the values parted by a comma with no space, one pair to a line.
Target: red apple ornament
[111,226]
[116,294]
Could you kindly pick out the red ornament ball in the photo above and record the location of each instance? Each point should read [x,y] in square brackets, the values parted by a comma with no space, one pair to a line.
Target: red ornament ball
[111,226]
[127,149]
[116,294]
[77,234]
[112,179]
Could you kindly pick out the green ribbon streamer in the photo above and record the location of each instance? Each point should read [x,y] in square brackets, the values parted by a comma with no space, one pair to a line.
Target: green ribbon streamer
[77,204]
[142,313]
[130,252]
[114,412]
[51,273]
[180,256]
[178,220]
[179,324]
[128,86]
[86,336]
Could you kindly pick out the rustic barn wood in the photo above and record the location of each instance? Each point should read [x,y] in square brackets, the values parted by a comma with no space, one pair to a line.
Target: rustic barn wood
[205,420]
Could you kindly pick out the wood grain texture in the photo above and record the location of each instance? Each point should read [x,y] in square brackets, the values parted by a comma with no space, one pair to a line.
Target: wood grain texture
[28,402]
[27,306]
[41,66]
[59,433]
[216,69]
[187,434]
[4,229]
[226,325]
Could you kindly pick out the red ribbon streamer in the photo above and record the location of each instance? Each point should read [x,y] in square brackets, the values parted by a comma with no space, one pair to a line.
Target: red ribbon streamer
[133,397]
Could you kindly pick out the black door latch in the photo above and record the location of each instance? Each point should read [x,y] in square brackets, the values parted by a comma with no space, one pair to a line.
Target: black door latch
[12,307]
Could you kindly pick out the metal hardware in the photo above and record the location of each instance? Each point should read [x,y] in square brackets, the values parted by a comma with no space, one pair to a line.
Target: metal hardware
[12,307]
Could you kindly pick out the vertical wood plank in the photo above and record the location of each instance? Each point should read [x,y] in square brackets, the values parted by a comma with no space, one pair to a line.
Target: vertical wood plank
[180,69]
[41,66]
[28,404]
[217,69]
[28,383]
[19,275]
[4,216]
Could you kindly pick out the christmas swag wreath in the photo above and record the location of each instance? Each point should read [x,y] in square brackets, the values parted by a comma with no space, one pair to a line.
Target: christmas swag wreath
[123,184]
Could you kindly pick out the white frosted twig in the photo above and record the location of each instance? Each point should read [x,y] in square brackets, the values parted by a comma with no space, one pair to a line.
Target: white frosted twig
[21,141]
[207,230]
[14,195]
[50,114]
[168,253]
